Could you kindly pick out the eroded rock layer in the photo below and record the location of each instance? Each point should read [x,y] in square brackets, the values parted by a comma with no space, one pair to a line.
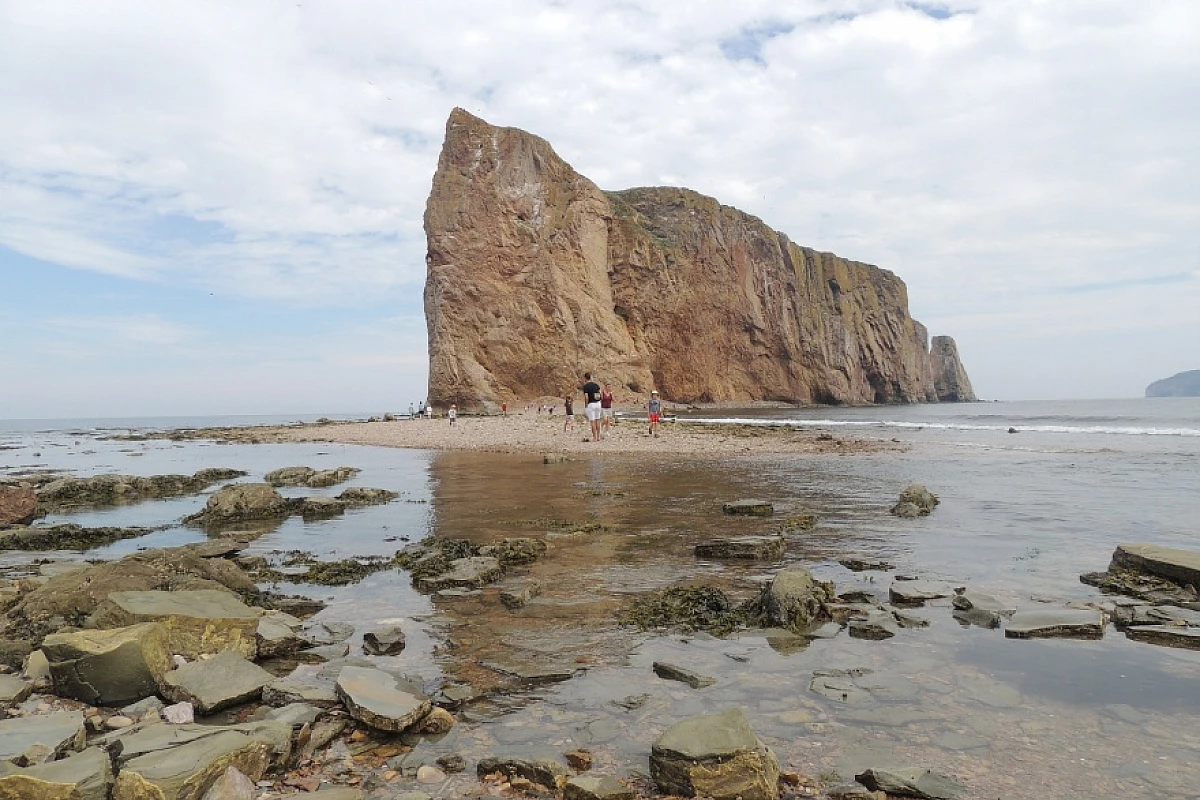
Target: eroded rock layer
[536,275]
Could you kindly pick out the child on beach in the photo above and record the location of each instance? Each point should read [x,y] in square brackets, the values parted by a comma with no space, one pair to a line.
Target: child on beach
[606,407]
[654,407]
[452,413]
[569,425]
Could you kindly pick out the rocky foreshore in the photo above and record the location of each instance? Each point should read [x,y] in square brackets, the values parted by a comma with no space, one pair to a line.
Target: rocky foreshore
[184,673]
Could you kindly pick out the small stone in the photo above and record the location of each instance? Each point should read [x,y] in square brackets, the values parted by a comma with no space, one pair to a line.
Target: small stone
[439,720]
[671,672]
[580,760]
[180,713]
[428,774]
[452,763]
[118,722]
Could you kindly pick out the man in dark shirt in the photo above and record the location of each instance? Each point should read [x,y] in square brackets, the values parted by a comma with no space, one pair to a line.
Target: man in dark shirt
[591,399]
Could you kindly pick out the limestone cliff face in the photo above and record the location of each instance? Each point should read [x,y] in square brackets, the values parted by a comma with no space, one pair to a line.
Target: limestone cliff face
[536,275]
[950,381]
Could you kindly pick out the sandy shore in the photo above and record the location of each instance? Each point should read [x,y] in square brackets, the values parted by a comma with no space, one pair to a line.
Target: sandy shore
[531,432]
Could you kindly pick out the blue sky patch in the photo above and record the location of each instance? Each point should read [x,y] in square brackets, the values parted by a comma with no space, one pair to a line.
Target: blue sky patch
[747,44]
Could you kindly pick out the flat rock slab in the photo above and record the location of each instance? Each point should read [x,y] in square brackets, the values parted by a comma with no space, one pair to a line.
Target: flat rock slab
[108,667]
[596,787]
[1061,623]
[543,769]
[464,573]
[912,782]
[131,743]
[284,691]
[1182,566]
[878,625]
[377,699]
[13,690]
[748,508]
[277,636]
[533,672]
[914,593]
[189,770]
[519,594]
[715,756]
[196,622]
[59,732]
[758,548]
[671,672]
[80,776]
[225,680]
[1166,635]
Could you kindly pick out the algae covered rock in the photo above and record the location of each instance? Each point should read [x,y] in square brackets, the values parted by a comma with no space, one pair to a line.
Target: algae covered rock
[715,756]
[915,501]
[241,502]
[794,598]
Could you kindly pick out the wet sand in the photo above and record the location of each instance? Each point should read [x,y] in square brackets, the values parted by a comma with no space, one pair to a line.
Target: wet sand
[542,433]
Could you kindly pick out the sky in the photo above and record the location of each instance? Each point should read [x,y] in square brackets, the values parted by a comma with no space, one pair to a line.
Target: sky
[215,207]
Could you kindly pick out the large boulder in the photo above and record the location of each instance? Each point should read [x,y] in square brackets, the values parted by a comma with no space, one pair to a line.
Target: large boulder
[18,505]
[715,756]
[222,681]
[80,776]
[194,622]
[379,700]
[108,667]
[794,598]
[241,502]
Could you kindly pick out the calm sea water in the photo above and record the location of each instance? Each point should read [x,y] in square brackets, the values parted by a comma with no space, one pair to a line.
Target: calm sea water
[1023,513]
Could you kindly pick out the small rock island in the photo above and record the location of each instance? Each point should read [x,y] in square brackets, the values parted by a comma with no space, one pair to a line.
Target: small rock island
[1185,384]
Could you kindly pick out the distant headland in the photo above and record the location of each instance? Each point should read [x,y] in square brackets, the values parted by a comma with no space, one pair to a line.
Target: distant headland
[1185,384]
[535,275]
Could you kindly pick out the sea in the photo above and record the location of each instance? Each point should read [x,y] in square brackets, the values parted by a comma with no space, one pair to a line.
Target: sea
[1032,495]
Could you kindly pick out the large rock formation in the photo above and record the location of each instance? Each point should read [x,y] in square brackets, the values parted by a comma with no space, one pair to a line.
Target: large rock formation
[536,275]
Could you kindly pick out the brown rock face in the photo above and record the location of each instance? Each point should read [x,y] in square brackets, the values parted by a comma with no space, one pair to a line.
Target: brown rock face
[536,275]
[18,505]
[950,380]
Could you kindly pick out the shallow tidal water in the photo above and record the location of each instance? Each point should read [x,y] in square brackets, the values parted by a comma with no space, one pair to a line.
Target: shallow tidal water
[1021,516]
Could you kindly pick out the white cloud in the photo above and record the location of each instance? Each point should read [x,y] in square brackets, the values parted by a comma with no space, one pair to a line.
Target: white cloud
[995,159]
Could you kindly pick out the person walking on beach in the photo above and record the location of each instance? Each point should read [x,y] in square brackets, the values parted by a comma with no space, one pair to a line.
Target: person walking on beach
[591,408]
[452,414]
[569,424]
[654,407]
[606,406]
[428,411]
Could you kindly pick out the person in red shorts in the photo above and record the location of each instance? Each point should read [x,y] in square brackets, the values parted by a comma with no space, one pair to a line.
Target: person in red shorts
[655,409]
